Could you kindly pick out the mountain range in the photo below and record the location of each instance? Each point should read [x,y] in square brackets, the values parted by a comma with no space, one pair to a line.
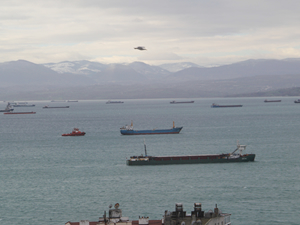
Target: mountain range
[25,80]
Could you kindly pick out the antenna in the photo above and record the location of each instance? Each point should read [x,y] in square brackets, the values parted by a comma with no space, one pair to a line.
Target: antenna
[145,148]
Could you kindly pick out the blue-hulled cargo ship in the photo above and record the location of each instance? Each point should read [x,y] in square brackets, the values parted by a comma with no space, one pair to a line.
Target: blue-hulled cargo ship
[128,130]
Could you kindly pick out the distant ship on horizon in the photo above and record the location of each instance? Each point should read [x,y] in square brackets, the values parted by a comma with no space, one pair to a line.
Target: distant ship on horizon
[175,102]
[272,100]
[224,106]
[110,102]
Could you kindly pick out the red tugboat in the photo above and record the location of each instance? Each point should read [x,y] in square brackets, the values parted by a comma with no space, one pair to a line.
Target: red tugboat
[75,132]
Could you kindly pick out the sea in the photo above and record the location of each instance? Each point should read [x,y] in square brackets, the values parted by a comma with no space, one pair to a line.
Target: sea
[49,179]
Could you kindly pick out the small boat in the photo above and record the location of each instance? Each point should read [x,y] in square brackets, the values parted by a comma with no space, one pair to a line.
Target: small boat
[223,106]
[272,100]
[175,102]
[235,156]
[128,130]
[109,102]
[19,113]
[55,107]
[297,101]
[75,132]
[58,101]
[72,101]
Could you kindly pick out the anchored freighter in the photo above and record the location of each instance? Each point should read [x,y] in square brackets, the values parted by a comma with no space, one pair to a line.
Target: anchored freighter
[224,106]
[272,100]
[175,102]
[128,130]
[235,156]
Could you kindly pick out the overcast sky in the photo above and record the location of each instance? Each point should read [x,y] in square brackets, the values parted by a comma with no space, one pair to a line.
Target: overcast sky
[206,32]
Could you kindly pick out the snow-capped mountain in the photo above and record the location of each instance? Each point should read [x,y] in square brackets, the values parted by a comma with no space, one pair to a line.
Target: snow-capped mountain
[152,72]
[77,67]
[136,80]
[175,67]
[87,68]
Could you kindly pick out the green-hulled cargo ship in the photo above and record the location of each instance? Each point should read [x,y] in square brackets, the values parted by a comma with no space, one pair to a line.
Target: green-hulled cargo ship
[236,156]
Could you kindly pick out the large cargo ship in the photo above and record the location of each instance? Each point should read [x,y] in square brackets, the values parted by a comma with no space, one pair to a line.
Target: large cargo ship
[128,130]
[223,106]
[177,217]
[236,156]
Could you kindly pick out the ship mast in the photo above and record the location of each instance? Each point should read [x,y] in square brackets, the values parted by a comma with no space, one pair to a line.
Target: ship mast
[239,147]
[145,149]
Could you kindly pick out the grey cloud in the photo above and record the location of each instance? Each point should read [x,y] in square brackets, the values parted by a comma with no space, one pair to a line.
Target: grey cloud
[111,27]
[157,56]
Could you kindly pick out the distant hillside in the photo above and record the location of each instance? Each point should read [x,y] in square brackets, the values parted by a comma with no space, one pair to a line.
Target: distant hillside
[151,72]
[98,70]
[247,68]
[175,67]
[77,67]
[23,73]
[91,80]
[273,93]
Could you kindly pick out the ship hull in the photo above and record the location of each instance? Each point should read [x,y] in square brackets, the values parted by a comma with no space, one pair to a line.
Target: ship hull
[224,106]
[19,113]
[272,101]
[113,102]
[200,159]
[23,105]
[81,134]
[175,130]
[55,107]
[174,102]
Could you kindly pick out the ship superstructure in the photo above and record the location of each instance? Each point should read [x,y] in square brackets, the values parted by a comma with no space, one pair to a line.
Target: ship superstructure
[177,217]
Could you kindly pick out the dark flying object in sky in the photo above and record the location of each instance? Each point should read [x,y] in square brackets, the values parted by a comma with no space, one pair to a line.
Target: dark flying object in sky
[140,48]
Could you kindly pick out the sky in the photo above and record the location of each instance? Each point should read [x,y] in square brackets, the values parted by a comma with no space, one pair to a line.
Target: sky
[205,32]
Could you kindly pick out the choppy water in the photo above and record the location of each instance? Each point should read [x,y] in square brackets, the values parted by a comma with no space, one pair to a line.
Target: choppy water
[50,179]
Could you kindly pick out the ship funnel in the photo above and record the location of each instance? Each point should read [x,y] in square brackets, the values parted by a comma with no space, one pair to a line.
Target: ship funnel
[198,210]
[197,207]
[178,207]
[216,211]
[179,210]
